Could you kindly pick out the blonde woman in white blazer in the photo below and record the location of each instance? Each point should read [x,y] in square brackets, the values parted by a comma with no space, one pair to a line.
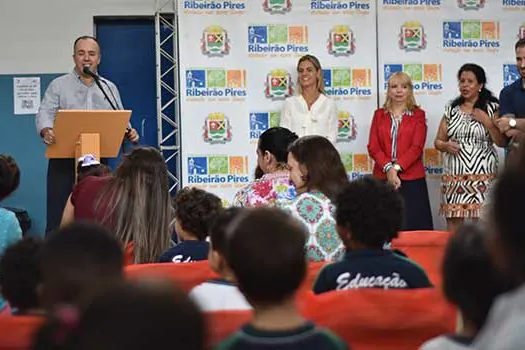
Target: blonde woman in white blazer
[310,112]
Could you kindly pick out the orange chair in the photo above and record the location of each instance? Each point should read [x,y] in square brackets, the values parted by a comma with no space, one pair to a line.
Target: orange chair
[426,248]
[16,332]
[189,275]
[186,275]
[376,319]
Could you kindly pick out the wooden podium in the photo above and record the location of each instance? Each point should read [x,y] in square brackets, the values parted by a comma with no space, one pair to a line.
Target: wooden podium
[97,132]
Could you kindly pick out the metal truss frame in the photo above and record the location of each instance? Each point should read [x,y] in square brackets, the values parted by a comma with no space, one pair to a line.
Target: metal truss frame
[168,102]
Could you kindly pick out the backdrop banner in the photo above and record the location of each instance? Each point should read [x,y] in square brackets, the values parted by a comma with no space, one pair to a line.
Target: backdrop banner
[238,63]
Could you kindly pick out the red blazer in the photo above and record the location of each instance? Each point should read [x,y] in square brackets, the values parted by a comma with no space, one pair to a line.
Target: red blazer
[411,138]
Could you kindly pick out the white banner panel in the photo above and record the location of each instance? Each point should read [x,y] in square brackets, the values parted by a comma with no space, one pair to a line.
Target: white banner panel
[238,64]
[430,40]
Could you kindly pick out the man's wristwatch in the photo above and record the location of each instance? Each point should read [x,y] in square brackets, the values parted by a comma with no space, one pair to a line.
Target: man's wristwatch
[397,167]
[512,123]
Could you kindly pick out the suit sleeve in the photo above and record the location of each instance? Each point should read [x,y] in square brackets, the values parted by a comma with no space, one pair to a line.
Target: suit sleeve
[417,144]
[374,147]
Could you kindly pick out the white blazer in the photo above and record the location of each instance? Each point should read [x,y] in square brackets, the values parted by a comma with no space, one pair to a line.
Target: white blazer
[321,119]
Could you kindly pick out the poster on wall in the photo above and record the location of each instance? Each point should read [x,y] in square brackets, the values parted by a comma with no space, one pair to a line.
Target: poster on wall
[26,95]
[240,65]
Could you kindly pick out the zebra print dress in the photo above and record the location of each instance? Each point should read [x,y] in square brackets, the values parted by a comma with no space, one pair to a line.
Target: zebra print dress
[467,176]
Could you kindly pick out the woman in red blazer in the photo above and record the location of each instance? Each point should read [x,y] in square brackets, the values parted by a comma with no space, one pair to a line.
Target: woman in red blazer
[396,144]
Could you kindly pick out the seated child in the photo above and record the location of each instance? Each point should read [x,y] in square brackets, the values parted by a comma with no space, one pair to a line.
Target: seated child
[20,276]
[128,316]
[195,211]
[472,283]
[369,214]
[265,250]
[220,294]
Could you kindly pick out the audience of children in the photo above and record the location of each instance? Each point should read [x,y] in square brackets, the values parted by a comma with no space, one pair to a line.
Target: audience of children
[75,277]
[134,203]
[265,250]
[20,276]
[369,213]
[195,211]
[318,174]
[222,293]
[471,282]
[139,316]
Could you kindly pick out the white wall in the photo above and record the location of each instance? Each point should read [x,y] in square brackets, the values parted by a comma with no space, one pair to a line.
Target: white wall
[36,36]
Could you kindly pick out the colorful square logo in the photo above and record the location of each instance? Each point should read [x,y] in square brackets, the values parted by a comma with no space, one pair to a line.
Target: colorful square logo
[258,34]
[197,165]
[471,30]
[196,78]
[262,121]
[510,74]
[432,157]
[347,77]
[238,165]
[362,163]
[418,72]
[348,161]
[218,165]
[216,79]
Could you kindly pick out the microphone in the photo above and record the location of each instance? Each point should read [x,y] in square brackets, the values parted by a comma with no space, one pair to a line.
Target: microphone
[88,71]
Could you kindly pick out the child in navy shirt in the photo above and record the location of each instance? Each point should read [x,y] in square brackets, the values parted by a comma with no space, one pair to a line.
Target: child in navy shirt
[265,250]
[195,211]
[368,214]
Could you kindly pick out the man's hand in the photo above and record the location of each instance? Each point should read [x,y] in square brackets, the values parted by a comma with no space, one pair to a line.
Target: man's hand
[132,135]
[502,124]
[48,134]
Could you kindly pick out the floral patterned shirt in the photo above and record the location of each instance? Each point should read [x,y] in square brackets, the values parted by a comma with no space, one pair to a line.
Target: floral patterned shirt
[266,191]
[317,213]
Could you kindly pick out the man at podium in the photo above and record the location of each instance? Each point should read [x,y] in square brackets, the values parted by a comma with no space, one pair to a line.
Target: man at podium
[73,91]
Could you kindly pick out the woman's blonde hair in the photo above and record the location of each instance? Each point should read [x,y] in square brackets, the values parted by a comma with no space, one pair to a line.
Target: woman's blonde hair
[320,80]
[136,204]
[404,79]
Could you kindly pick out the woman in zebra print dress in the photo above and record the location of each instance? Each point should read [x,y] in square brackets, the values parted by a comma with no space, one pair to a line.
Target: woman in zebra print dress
[466,136]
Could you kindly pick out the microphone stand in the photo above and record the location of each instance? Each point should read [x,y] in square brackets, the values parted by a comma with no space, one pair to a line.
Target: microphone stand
[96,78]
